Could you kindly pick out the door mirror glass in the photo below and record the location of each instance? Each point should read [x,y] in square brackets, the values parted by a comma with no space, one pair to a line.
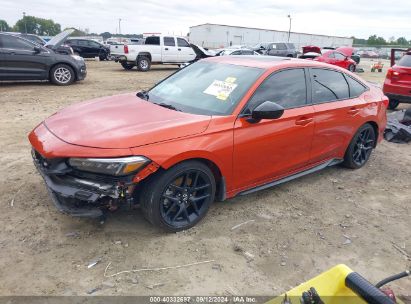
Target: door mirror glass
[267,110]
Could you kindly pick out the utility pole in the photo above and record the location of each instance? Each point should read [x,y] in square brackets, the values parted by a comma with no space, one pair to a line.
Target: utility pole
[24,19]
[289,29]
[119,26]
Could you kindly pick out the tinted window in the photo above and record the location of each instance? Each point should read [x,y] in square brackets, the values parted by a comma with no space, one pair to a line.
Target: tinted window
[281,46]
[287,88]
[236,53]
[339,56]
[247,52]
[153,40]
[93,44]
[356,88]
[328,85]
[182,43]
[11,42]
[82,43]
[405,61]
[71,42]
[169,41]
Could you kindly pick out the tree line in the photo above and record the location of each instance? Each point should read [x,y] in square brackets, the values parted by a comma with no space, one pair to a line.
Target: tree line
[374,40]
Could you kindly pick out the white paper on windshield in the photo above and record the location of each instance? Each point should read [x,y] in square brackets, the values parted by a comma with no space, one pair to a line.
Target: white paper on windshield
[220,89]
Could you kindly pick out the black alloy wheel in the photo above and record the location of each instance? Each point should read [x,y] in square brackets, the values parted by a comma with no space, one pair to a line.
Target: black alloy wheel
[360,148]
[185,199]
[178,198]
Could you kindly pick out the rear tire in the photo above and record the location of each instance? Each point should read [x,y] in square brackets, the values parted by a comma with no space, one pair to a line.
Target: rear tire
[143,63]
[360,148]
[127,66]
[393,104]
[177,199]
[62,74]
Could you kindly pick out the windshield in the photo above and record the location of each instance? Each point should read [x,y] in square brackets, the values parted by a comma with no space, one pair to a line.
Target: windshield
[205,88]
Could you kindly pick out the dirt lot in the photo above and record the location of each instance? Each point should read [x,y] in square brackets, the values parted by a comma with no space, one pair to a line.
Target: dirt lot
[296,230]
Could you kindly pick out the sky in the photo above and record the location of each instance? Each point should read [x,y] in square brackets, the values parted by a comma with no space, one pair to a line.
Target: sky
[359,18]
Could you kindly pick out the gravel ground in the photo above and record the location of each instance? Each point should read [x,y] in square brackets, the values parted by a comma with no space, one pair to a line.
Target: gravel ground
[294,231]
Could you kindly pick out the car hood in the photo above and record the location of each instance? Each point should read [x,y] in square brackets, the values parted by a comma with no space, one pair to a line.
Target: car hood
[59,39]
[346,50]
[122,121]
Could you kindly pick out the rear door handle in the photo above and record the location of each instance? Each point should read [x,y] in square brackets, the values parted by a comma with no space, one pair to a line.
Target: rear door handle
[353,111]
[166,49]
[303,121]
[179,49]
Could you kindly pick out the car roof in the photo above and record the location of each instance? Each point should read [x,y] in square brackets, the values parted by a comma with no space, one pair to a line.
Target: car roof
[268,62]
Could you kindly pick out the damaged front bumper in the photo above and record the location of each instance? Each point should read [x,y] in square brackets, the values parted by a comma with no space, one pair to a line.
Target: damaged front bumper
[82,194]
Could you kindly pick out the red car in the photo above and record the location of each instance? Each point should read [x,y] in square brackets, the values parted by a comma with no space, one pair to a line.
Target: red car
[218,128]
[336,58]
[397,84]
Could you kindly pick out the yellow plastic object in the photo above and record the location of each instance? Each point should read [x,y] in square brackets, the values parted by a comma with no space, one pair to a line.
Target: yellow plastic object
[330,286]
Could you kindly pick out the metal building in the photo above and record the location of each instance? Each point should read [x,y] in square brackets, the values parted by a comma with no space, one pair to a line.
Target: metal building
[217,36]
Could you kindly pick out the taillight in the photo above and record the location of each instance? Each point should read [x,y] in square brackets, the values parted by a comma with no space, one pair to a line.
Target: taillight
[392,74]
[385,101]
[125,49]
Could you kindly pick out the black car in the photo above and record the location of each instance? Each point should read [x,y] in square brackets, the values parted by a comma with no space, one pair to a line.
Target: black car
[87,48]
[21,59]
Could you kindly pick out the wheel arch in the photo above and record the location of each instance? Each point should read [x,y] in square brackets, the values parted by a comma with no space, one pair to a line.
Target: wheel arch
[211,163]
[145,54]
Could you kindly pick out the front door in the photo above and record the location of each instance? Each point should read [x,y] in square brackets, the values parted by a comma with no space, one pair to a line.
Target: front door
[19,61]
[185,52]
[271,149]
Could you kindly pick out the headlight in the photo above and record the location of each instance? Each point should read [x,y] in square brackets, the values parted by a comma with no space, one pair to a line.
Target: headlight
[77,57]
[110,166]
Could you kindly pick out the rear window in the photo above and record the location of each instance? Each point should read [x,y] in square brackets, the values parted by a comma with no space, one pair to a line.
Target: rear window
[328,86]
[356,88]
[405,61]
[169,41]
[153,40]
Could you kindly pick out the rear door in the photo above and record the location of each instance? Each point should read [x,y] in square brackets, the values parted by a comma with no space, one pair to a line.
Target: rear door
[271,149]
[19,61]
[170,50]
[185,52]
[340,109]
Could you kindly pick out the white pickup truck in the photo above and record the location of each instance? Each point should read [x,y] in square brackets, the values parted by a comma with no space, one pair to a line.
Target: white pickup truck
[154,50]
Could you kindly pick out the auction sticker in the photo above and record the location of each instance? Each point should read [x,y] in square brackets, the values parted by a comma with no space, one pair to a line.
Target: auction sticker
[220,89]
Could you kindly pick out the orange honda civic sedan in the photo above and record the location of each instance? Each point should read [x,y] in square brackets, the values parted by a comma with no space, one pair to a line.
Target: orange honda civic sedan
[218,128]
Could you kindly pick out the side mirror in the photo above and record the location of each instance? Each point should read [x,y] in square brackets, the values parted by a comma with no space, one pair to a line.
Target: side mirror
[37,50]
[266,110]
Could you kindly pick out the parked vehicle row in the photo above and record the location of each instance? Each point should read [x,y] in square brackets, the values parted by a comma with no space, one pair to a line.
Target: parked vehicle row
[221,127]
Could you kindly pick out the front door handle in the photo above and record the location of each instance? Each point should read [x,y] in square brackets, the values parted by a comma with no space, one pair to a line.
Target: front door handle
[353,111]
[166,49]
[303,121]
[179,49]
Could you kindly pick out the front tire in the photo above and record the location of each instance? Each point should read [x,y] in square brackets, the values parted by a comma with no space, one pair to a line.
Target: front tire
[62,74]
[143,63]
[177,199]
[351,68]
[360,148]
[393,104]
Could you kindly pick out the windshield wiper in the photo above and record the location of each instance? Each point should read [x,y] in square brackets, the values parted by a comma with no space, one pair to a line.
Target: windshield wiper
[168,106]
[143,95]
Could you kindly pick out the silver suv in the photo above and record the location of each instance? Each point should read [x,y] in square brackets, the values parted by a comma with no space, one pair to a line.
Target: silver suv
[283,49]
